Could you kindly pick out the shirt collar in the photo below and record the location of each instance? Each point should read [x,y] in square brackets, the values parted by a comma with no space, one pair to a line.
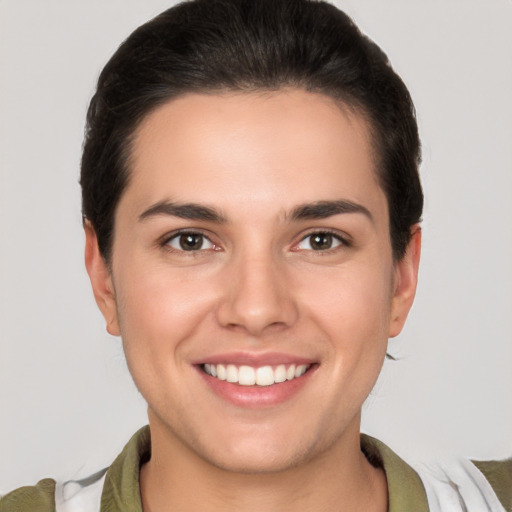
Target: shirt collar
[405,489]
[122,492]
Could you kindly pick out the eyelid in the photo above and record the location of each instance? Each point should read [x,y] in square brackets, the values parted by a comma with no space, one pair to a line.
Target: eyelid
[344,239]
[164,241]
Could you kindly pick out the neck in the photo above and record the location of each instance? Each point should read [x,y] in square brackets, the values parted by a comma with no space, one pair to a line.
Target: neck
[339,480]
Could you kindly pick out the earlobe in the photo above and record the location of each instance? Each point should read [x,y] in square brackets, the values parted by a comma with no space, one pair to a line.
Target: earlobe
[406,279]
[101,280]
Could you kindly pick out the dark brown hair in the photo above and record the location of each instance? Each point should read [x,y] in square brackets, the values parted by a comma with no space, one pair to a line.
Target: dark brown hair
[249,45]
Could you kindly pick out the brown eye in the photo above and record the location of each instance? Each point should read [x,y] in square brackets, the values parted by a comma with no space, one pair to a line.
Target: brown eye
[190,242]
[321,241]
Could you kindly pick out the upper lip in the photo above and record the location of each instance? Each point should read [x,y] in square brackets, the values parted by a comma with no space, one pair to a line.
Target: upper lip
[254,359]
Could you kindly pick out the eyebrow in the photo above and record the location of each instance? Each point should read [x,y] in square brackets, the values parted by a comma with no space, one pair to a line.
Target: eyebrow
[194,211]
[190,211]
[325,209]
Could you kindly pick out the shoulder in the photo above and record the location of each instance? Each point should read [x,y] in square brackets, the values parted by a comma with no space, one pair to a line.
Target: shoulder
[499,475]
[49,496]
[452,485]
[109,490]
[469,485]
[35,498]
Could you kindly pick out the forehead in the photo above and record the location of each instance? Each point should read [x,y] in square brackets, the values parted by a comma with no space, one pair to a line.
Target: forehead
[291,146]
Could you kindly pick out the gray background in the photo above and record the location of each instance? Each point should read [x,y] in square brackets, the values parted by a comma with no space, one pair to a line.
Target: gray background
[67,403]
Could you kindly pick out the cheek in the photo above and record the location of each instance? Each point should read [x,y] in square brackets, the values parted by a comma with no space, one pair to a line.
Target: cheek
[354,303]
[352,310]
[160,312]
[161,306]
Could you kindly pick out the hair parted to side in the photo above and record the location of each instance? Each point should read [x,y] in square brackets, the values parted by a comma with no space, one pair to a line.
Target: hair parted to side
[209,46]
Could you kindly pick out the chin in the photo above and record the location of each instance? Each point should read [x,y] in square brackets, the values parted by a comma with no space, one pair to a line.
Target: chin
[261,452]
[256,461]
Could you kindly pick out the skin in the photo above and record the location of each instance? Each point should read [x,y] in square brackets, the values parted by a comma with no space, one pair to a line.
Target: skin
[255,286]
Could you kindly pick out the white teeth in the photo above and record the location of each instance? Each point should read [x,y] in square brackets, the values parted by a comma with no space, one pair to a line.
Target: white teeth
[231,373]
[280,373]
[246,376]
[300,370]
[265,376]
[249,376]
[221,372]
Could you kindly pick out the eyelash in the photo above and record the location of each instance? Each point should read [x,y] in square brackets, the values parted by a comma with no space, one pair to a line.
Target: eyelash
[165,243]
[343,241]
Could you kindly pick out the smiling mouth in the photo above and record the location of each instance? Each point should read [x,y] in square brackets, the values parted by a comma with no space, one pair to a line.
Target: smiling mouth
[261,376]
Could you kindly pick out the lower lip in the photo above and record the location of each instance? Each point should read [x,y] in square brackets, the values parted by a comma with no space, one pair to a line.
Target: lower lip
[256,397]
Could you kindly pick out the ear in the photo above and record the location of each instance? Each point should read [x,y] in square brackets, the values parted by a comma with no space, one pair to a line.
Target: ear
[406,279]
[101,280]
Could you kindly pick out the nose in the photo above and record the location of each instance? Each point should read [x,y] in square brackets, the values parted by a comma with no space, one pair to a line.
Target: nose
[258,297]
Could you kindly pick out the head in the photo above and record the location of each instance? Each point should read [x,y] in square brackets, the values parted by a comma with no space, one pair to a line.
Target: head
[212,46]
[250,192]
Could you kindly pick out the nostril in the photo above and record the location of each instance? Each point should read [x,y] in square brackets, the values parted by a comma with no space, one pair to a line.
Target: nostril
[257,318]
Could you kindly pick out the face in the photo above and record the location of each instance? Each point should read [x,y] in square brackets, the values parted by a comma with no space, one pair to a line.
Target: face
[252,277]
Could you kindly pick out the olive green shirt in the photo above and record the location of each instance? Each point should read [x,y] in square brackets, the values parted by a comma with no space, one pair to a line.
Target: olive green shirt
[121,490]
